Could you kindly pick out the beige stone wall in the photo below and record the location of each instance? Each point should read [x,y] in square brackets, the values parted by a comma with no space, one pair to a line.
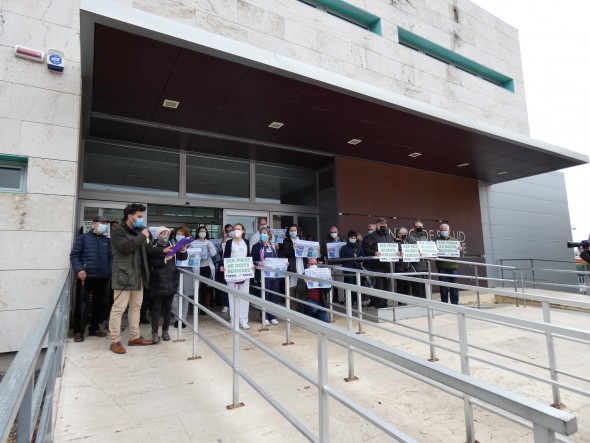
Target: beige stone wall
[39,118]
[293,29]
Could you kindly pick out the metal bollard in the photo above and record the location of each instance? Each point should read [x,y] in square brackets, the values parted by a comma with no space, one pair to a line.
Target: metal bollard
[288,306]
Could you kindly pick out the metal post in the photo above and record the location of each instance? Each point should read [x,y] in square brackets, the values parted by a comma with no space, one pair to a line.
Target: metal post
[236,354]
[533,272]
[359,302]
[25,414]
[515,288]
[430,317]
[543,435]
[477,284]
[179,323]
[551,357]
[323,397]
[288,306]
[263,297]
[463,348]
[351,376]
[331,304]
[196,285]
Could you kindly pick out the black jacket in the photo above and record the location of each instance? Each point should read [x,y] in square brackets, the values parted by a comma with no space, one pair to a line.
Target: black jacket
[302,290]
[288,251]
[164,275]
[350,251]
[257,257]
[371,248]
[93,254]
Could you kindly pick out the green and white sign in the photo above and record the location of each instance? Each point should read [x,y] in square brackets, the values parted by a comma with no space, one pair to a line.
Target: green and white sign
[410,253]
[238,269]
[428,249]
[448,248]
[388,252]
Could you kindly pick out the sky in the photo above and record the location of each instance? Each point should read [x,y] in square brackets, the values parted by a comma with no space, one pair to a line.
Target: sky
[554,38]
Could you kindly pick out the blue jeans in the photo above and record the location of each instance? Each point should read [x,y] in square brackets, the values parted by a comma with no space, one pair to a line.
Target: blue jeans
[315,312]
[271,284]
[444,290]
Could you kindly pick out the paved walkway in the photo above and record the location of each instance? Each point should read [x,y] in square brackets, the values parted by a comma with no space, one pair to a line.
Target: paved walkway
[154,394]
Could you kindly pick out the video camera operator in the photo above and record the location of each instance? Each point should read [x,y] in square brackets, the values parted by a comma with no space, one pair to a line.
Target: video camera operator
[583,249]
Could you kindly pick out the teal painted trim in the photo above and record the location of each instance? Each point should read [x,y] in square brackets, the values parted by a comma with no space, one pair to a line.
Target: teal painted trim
[14,158]
[371,21]
[457,59]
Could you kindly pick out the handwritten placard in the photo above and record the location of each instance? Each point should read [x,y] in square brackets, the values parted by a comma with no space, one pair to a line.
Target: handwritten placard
[334,249]
[448,248]
[306,249]
[427,249]
[388,252]
[280,264]
[238,269]
[318,273]
[410,253]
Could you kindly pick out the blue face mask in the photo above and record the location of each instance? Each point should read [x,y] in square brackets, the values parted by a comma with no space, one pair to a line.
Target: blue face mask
[352,240]
[293,234]
[263,237]
[444,233]
[138,223]
[179,237]
[164,239]
[102,229]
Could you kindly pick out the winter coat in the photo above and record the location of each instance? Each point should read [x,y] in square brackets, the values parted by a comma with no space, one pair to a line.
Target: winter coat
[324,248]
[164,275]
[93,254]
[288,251]
[302,290]
[413,238]
[258,257]
[447,264]
[130,265]
[372,247]
[350,250]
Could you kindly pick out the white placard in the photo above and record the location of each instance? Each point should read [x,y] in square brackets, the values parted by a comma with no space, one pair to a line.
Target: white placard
[388,252]
[193,259]
[306,249]
[238,269]
[318,273]
[448,248]
[280,264]
[278,235]
[411,253]
[428,249]
[334,249]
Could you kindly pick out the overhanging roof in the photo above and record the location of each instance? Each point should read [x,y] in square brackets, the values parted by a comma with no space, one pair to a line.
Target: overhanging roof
[229,93]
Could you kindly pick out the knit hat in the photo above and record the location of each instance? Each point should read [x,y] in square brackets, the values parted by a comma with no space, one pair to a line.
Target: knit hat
[161,229]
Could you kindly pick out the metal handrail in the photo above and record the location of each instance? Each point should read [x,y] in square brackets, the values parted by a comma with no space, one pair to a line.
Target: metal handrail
[19,392]
[546,420]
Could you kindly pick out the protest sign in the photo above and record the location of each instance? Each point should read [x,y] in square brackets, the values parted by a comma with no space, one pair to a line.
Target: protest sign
[388,252]
[448,248]
[411,253]
[428,249]
[318,273]
[307,249]
[278,235]
[280,264]
[238,269]
[179,245]
[193,259]
[334,249]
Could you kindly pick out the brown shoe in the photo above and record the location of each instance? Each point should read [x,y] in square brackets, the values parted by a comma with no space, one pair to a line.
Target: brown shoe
[98,333]
[118,348]
[139,341]
[78,337]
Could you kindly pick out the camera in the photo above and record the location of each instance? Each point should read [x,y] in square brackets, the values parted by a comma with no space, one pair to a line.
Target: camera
[571,244]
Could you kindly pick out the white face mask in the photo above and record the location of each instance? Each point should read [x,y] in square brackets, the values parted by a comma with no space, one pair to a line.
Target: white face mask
[237,233]
[231,234]
[312,266]
[202,234]
[333,234]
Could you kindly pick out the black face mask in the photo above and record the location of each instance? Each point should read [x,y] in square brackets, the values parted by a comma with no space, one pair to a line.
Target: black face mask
[403,236]
[383,230]
[420,229]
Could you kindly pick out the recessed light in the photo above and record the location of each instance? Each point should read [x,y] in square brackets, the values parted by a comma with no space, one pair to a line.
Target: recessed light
[463,165]
[170,104]
[354,141]
[276,125]
[501,172]
[415,154]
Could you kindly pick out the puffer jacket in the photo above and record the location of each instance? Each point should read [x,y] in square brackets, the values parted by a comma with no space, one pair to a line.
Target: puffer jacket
[130,265]
[93,254]
[164,274]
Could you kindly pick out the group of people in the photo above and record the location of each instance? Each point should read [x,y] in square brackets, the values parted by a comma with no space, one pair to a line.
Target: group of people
[133,261]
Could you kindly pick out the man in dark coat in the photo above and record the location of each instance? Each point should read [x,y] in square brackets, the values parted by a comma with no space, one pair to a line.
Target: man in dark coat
[381,235]
[91,259]
[130,275]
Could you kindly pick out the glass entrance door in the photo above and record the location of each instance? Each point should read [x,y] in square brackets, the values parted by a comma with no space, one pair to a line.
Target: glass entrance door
[90,209]
[248,218]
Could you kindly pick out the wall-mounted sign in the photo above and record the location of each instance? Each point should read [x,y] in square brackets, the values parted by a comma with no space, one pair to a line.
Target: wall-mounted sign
[55,60]
[29,54]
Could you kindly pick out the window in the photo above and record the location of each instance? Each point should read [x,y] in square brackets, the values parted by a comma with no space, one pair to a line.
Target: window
[216,179]
[275,184]
[347,12]
[13,173]
[417,43]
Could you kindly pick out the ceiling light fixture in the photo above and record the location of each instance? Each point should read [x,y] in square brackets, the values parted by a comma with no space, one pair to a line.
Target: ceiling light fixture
[415,154]
[354,141]
[501,172]
[276,125]
[170,104]
[462,165]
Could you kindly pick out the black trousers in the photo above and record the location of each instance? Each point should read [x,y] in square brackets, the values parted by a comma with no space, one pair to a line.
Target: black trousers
[384,284]
[93,300]
[161,305]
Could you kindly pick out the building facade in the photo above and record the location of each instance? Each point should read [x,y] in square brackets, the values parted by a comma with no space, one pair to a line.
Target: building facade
[317,112]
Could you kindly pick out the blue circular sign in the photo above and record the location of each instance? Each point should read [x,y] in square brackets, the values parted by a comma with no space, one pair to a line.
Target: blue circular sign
[55,59]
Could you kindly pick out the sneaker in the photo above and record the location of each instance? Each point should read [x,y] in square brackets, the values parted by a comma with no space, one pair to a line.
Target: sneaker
[165,336]
[245,326]
[98,333]
[366,302]
[78,338]
[155,338]
[225,309]
[118,348]
[265,323]
[139,341]
[274,321]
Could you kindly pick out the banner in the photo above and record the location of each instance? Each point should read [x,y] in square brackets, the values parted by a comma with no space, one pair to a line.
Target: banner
[306,249]
[411,253]
[238,269]
[193,259]
[278,235]
[388,252]
[448,248]
[428,249]
[318,273]
[334,249]
[179,245]
[280,264]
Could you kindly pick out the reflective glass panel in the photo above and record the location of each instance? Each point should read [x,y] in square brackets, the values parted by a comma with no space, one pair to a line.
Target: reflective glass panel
[285,186]
[10,178]
[217,179]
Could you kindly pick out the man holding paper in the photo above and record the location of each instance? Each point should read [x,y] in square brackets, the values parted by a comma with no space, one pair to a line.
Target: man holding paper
[381,235]
[447,268]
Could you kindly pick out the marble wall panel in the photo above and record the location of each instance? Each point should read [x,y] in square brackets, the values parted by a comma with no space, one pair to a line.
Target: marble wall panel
[44,106]
[36,212]
[46,176]
[36,250]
